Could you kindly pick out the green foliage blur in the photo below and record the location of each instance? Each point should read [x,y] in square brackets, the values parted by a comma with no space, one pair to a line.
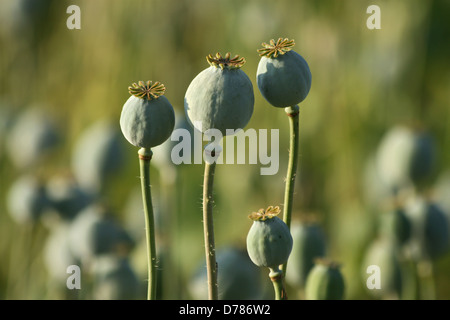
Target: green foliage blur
[364,82]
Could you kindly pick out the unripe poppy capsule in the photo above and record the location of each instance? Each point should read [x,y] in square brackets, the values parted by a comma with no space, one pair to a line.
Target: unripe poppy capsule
[147,118]
[269,241]
[221,96]
[283,75]
[325,282]
[309,244]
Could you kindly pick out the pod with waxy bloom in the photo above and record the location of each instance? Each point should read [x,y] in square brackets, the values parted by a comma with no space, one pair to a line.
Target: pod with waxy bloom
[147,118]
[283,75]
[221,96]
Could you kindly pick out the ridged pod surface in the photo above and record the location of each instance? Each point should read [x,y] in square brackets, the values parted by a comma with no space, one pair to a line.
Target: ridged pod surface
[220,97]
[283,76]
[269,241]
[147,118]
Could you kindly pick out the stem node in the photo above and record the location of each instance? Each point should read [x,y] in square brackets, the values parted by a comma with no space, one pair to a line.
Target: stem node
[276,276]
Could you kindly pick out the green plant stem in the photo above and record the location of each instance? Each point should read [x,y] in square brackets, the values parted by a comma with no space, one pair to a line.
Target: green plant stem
[277,280]
[293,114]
[145,156]
[208,229]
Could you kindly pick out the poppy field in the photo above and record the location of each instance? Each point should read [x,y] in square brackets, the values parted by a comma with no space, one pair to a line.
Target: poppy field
[224,150]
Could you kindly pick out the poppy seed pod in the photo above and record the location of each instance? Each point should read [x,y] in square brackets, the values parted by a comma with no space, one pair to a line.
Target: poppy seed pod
[383,253]
[97,154]
[430,229]
[115,279]
[221,96]
[269,241]
[66,198]
[95,232]
[57,254]
[147,118]
[36,133]
[27,199]
[405,157]
[325,282]
[283,76]
[309,244]
[396,224]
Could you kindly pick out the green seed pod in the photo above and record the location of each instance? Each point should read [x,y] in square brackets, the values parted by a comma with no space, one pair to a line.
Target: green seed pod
[147,117]
[269,241]
[436,231]
[383,253]
[32,136]
[325,282]
[97,154]
[27,199]
[309,244]
[221,96]
[396,224]
[115,279]
[283,75]
[66,198]
[95,232]
[22,16]
[57,254]
[404,157]
[423,157]
[430,233]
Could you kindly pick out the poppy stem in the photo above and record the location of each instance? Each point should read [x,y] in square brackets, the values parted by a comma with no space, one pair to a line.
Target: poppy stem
[293,114]
[277,280]
[208,224]
[145,155]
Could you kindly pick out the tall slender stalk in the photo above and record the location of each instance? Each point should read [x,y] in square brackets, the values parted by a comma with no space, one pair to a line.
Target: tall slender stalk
[293,114]
[208,229]
[145,155]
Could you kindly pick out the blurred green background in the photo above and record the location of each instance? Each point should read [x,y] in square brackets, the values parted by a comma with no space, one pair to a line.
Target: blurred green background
[365,82]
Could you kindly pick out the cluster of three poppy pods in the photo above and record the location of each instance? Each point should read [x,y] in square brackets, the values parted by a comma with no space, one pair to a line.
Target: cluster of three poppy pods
[220,98]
